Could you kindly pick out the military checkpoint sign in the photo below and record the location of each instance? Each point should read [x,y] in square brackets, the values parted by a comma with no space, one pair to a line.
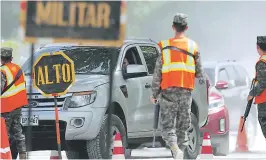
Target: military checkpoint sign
[53,75]
[82,22]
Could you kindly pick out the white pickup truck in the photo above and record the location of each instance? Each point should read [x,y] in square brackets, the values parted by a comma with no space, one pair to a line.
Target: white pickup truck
[83,116]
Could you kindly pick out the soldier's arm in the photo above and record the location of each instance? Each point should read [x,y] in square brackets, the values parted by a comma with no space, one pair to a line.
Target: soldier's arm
[157,77]
[199,69]
[261,78]
[3,81]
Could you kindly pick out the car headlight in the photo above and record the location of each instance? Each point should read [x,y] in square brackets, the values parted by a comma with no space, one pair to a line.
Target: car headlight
[80,99]
[216,103]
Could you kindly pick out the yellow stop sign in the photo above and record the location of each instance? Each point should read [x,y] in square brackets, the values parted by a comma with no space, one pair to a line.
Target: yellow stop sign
[53,73]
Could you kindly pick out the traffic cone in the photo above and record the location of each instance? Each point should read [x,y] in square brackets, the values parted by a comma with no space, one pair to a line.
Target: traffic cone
[241,143]
[118,151]
[206,149]
[54,155]
[5,147]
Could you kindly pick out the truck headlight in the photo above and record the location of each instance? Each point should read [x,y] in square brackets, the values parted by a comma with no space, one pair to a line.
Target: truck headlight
[80,99]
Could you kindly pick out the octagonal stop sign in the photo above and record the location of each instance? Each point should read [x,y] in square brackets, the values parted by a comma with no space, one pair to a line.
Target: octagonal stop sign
[53,73]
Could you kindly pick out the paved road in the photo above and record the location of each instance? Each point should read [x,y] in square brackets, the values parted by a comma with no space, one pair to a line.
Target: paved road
[257,151]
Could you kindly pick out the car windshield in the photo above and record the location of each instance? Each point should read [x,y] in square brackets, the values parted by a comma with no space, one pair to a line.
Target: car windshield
[87,60]
[211,74]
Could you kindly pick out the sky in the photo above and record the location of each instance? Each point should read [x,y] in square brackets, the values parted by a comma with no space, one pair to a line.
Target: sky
[224,30]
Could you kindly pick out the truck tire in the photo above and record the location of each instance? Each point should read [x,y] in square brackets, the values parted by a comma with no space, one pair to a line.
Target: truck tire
[76,150]
[223,148]
[193,149]
[96,148]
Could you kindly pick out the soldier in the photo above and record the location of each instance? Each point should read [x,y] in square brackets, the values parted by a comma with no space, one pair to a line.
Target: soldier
[13,98]
[259,91]
[173,81]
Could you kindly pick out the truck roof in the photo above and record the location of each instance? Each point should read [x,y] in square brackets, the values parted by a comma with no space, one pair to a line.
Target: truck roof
[127,41]
[213,64]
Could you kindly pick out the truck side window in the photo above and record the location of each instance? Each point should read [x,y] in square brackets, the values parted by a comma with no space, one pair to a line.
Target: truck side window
[150,55]
[223,75]
[232,75]
[242,76]
[132,57]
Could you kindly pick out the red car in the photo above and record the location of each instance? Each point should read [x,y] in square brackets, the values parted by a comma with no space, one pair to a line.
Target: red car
[218,123]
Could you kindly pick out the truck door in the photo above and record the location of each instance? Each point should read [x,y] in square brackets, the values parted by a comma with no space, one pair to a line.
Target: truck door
[149,56]
[135,104]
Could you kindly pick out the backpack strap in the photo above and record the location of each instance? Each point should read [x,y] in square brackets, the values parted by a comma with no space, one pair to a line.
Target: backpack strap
[13,82]
[179,50]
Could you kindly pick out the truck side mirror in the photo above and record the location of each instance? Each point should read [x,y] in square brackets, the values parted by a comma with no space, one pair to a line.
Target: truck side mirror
[221,84]
[134,70]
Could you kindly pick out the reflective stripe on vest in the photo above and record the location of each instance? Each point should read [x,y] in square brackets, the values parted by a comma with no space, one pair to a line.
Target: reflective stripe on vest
[188,66]
[4,150]
[14,89]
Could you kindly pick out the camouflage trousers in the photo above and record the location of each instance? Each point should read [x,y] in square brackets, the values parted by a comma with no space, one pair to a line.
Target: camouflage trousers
[14,129]
[175,111]
[262,117]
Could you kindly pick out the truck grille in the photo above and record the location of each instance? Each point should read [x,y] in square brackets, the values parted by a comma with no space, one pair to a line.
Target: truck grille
[47,129]
[39,101]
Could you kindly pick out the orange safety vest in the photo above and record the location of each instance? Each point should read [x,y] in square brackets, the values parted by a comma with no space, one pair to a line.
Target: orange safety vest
[178,68]
[262,97]
[16,96]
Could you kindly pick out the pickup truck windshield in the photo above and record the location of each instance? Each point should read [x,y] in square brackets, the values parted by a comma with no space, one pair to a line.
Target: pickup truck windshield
[87,60]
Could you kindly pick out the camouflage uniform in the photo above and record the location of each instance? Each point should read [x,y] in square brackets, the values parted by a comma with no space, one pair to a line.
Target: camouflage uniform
[13,118]
[175,102]
[260,87]
[14,129]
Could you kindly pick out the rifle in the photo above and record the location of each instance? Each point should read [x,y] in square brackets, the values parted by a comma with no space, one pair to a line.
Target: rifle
[248,107]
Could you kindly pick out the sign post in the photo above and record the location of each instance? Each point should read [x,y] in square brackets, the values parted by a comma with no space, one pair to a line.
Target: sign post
[58,139]
[53,75]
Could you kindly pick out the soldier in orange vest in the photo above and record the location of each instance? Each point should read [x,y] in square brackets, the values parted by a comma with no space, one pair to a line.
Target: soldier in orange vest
[259,91]
[13,98]
[173,81]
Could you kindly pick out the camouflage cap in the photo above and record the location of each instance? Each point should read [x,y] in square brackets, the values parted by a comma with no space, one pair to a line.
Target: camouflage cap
[6,52]
[180,18]
[261,39]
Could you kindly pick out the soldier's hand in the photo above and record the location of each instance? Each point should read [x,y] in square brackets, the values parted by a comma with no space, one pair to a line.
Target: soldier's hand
[249,98]
[153,100]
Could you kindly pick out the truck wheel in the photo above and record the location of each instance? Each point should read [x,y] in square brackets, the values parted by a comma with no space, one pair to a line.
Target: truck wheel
[97,148]
[223,148]
[193,148]
[76,150]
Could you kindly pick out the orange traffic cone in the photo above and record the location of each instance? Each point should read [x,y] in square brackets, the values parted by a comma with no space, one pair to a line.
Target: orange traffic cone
[5,147]
[54,155]
[206,150]
[241,143]
[118,151]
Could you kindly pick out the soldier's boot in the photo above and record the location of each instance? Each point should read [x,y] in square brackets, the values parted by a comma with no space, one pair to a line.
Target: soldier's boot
[176,152]
[22,156]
